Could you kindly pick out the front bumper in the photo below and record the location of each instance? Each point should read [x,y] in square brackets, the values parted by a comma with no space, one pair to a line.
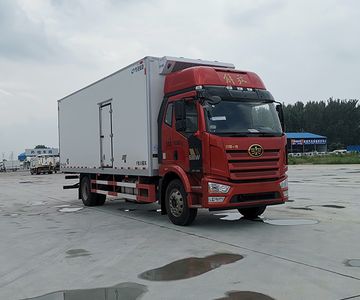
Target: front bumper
[244,194]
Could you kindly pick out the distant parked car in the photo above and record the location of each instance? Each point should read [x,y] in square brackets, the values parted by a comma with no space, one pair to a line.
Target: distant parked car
[309,153]
[321,153]
[339,151]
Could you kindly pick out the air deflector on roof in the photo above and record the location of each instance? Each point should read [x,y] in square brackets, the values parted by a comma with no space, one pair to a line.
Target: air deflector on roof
[169,64]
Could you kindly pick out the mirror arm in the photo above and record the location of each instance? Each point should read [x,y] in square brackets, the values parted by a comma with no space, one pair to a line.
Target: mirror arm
[281,114]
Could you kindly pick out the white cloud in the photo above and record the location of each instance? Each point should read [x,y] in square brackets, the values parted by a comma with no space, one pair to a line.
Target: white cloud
[6,93]
[303,50]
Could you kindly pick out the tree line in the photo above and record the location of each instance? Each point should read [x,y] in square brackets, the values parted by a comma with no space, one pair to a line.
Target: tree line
[338,120]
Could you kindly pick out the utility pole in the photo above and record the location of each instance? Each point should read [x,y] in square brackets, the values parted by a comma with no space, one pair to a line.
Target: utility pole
[12,160]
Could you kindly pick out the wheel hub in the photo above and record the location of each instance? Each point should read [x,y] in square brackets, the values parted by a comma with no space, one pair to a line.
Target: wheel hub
[176,203]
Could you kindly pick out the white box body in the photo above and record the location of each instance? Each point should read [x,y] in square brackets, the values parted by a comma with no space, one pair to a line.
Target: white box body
[134,95]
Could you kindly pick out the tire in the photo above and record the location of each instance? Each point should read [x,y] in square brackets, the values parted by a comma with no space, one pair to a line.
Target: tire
[176,204]
[252,213]
[100,199]
[87,197]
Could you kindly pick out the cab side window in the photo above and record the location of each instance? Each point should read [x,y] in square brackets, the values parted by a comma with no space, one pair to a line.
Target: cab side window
[191,117]
[169,114]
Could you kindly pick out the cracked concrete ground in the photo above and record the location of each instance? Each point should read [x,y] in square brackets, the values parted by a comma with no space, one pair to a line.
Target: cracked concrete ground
[308,248]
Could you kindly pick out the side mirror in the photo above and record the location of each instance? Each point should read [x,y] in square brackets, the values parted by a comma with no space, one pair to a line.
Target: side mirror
[280,112]
[180,110]
[205,97]
[213,100]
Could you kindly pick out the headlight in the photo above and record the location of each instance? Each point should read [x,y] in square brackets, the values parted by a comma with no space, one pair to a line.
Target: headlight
[284,184]
[217,188]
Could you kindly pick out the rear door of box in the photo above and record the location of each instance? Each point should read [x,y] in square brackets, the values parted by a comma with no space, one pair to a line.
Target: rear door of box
[106,135]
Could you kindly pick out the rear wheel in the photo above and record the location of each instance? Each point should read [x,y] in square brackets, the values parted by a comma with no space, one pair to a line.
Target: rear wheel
[176,204]
[252,212]
[87,197]
[100,199]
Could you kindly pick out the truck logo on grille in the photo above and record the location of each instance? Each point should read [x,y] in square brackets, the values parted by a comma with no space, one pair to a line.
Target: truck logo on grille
[255,150]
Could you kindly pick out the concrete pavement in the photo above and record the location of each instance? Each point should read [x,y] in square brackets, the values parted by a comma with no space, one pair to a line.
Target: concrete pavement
[49,242]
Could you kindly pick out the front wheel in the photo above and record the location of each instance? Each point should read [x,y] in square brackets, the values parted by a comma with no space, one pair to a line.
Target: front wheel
[87,197]
[176,204]
[252,212]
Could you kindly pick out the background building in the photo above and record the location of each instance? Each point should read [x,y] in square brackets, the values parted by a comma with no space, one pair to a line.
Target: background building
[41,151]
[300,142]
[353,148]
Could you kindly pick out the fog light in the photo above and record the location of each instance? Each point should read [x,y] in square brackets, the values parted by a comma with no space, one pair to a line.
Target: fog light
[284,184]
[286,193]
[215,199]
[217,188]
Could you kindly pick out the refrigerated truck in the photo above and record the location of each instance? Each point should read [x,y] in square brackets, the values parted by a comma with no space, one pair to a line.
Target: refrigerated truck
[186,133]
[43,164]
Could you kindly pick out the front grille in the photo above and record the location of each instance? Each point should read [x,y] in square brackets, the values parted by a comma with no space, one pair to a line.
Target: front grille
[243,167]
[255,180]
[255,197]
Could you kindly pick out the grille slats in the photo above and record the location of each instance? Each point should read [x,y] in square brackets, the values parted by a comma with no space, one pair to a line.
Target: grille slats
[258,169]
[245,156]
[244,167]
[246,151]
[253,175]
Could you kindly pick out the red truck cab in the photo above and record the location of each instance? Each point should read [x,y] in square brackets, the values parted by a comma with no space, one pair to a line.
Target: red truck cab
[221,144]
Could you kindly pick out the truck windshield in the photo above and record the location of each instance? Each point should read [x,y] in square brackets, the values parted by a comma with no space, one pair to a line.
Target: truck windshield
[242,118]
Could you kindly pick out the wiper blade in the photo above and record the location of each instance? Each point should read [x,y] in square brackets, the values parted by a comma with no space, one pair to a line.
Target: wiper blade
[233,133]
[264,133]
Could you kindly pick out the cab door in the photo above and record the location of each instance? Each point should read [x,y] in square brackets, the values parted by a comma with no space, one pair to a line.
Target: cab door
[187,150]
[167,135]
